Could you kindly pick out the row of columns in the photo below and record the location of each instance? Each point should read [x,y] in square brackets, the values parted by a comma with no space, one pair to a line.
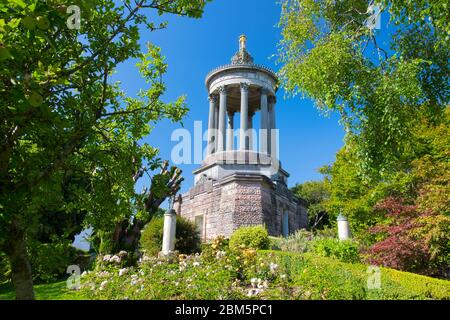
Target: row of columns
[221,127]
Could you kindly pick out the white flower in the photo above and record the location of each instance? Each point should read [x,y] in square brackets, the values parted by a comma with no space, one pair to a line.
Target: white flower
[183,265]
[103,274]
[196,264]
[103,284]
[123,271]
[283,276]
[273,267]
[253,292]
[220,254]
[263,284]
[134,282]
[107,257]
[253,282]
[115,259]
[122,253]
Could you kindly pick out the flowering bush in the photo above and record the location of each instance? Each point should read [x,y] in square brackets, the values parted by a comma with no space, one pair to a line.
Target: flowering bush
[218,273]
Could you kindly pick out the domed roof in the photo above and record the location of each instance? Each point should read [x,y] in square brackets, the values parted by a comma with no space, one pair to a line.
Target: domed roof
[241,60]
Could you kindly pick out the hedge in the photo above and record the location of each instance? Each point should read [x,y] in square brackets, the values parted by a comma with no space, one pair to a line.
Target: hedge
[317,277]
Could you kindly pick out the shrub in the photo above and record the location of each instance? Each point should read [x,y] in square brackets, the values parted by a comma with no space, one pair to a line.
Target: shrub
[49,261]
[5,268]
[300,241]
[255,237]
[346,251]
[315,277]
[187,238]
[413,240]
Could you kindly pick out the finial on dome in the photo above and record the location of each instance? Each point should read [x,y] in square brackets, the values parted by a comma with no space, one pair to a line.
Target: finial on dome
[242,42]
[242,56]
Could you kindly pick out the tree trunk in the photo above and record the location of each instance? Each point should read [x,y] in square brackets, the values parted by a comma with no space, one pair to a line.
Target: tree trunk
[20,268]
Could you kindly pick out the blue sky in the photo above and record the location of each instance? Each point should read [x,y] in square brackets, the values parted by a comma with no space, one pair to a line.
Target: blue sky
[193,47]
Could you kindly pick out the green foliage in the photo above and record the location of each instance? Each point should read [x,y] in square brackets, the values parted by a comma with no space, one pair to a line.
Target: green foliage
[5,269]
[152,235]
[331,54]
[345,251]
[49,261]
[62,113]
[187,238]
[315,193]
[315,277]
[255,237]
[300,242]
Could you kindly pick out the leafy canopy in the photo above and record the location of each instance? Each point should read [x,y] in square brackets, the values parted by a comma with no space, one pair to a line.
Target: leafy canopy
[330,53]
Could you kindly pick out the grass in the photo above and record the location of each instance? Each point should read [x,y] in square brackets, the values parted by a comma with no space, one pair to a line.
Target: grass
[48,291]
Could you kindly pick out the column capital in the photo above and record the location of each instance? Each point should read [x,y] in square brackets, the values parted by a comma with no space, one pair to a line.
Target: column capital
[212,97]
[244,86]
[222,89]
[272,99]
[265,91]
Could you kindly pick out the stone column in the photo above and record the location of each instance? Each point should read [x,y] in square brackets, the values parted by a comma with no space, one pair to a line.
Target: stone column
[244,117]
[230,131]
[263,136]
[211,124]
[170,225]
[222,119]
[250,131]
[216,125]
[272,140]
[343,227]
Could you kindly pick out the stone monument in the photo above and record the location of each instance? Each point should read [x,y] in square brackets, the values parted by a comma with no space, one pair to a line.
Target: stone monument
[241,181]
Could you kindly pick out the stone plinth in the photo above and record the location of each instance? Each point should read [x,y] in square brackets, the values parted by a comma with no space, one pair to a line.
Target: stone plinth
[241,199]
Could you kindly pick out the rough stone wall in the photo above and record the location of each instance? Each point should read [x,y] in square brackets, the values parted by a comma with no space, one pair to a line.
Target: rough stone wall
[241,200]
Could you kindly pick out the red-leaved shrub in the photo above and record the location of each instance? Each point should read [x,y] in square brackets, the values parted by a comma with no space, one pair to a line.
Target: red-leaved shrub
[400,248]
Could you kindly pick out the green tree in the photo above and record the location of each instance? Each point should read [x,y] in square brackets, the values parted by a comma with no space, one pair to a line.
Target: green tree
[331,53]
[60,112]
[315,193]
[424,179]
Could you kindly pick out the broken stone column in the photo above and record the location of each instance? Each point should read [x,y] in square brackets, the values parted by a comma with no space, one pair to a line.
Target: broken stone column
[170,224]
[343,227]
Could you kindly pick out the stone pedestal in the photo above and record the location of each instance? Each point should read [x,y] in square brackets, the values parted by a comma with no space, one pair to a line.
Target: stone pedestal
[227,196]
[170,224]
[343,227]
